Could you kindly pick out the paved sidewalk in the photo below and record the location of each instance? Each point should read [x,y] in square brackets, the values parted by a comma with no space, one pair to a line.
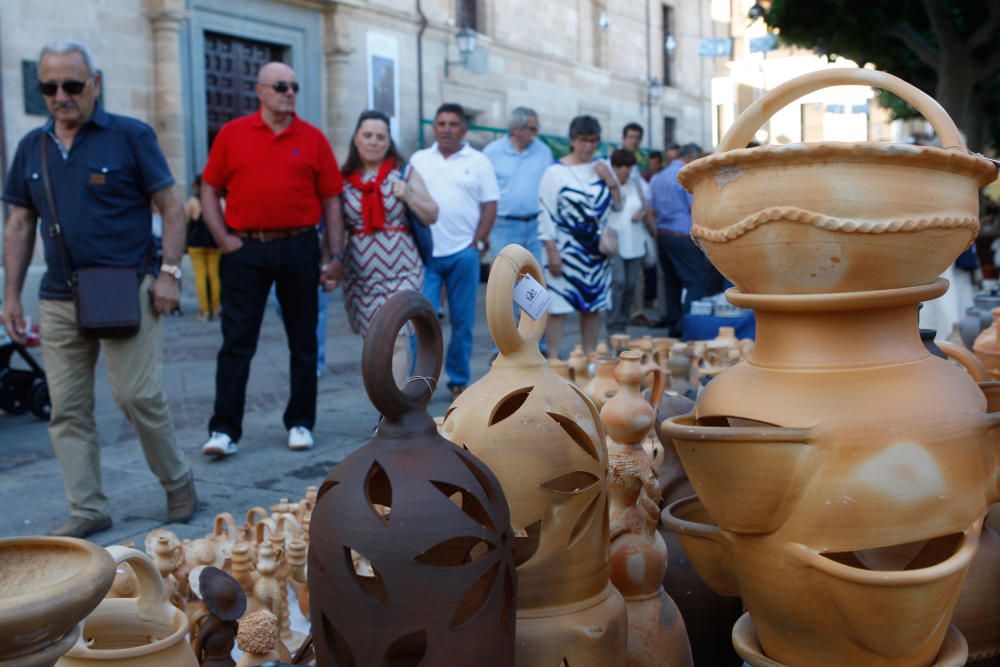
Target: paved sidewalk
[264,470]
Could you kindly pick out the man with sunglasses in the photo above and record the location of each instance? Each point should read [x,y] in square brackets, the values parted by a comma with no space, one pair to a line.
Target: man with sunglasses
[103,170]
[278,176]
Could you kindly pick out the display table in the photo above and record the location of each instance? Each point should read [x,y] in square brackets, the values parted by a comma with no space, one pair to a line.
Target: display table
[706,327]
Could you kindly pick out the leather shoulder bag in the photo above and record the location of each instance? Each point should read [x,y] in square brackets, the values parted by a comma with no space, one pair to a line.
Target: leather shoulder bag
[106,297]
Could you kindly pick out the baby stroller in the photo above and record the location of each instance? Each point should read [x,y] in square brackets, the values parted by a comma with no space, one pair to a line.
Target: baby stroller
[22,388]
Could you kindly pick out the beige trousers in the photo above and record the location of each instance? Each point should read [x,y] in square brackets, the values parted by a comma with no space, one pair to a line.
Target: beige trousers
[134,370]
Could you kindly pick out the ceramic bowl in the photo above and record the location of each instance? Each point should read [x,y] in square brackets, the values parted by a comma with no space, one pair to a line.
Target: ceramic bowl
[47,586]
[846,217]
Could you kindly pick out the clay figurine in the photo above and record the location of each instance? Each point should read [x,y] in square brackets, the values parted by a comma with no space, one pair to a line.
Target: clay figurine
[226,602]
[258,639]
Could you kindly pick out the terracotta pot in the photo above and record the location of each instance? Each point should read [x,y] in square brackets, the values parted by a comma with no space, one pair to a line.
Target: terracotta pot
[145,631]
[977,615]
[987,346]
[619,343]
[810,409]
[411,552]
[224,533]
[579,366]
[602,386]
[656,632]
[953,652]
[966,359]
[848,217]
[543,439]
[47,586]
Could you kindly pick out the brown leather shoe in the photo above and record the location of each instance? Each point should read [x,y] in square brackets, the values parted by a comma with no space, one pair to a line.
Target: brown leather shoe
[182,502]
[81,526]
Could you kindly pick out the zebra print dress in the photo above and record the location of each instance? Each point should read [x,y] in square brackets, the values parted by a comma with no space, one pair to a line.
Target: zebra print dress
[380,264]
[574,203]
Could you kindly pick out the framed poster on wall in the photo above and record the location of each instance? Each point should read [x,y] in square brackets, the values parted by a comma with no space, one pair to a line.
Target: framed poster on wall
[383,77]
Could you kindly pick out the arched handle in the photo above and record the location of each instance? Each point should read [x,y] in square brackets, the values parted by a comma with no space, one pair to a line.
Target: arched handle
[965,358]
[742,131]
[659,383]
[151,604]
[376,362]
[225,524]
[510,264]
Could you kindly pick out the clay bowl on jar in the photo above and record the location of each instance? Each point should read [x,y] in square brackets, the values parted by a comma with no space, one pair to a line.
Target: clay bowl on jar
[888,606]
[47,586]
[709,549]
[848,216]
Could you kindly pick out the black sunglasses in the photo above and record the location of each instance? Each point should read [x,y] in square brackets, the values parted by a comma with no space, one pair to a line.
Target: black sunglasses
[69,86]
[283,86]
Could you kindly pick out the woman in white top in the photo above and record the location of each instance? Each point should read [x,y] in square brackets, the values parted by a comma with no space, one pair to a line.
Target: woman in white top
[575,197]
[633,236]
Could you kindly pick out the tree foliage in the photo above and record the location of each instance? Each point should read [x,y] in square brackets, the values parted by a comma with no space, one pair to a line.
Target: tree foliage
[947,48]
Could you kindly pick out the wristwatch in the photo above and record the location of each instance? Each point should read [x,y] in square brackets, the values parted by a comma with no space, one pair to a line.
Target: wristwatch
[480,246]
[173,270]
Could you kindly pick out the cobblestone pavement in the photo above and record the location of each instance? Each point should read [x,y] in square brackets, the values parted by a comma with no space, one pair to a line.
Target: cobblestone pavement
[264,470]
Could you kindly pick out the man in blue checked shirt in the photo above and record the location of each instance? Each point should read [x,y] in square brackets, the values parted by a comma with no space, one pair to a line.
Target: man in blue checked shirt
[685,266]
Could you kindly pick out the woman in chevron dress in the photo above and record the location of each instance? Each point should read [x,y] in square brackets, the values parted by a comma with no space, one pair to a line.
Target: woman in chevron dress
[575,197]
[381,256]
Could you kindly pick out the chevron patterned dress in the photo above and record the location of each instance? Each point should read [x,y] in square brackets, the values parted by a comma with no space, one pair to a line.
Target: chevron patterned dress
[380,264]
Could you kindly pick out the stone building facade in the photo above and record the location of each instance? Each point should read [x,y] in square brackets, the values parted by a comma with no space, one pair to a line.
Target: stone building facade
[187,66]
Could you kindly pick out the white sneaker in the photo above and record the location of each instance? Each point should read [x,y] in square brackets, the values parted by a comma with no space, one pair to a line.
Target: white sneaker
[219,445]
[299,439]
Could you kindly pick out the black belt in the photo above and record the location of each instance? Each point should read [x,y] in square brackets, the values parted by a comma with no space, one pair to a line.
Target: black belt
[520,218]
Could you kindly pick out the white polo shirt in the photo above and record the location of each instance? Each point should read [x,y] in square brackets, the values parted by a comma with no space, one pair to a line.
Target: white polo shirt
[458,184]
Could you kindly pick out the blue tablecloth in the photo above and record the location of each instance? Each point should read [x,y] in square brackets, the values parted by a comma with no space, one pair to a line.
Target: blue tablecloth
[706,327]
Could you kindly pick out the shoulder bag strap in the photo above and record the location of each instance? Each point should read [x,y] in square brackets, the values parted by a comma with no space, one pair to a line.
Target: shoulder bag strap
[55,230]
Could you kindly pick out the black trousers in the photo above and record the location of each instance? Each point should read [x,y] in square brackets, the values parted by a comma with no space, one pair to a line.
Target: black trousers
[685,267]
[292,265]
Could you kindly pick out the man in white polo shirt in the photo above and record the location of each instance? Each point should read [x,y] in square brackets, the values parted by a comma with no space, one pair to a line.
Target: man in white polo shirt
[462,182]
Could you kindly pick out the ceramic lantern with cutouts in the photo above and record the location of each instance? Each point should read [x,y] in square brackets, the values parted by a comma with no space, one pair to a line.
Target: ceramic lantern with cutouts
[411,551]
[543,439]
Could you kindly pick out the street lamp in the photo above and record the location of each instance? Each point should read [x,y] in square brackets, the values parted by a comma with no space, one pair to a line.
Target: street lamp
[655,89]
[466,40]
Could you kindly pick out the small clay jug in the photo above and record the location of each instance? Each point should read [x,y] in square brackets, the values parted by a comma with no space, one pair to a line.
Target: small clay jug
[619,343]
[603,385]
[411,551]
[579,366]
[987,346]
[656,632]
[543,439]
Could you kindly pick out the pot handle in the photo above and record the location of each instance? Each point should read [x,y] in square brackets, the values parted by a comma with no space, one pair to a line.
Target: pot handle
[376,360]
[966,358]
[742,131]
[225,524]
[659,383]
[151,604]
[510,264]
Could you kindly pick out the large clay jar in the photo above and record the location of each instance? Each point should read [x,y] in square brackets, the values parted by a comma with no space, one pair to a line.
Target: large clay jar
[47,586]
[411,552]
[145,631]
[543,439]
[987,346]
[656,632]
[861,216]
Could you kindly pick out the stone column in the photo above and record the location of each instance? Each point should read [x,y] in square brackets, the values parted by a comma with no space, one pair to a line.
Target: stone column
[337,51]
[166,17]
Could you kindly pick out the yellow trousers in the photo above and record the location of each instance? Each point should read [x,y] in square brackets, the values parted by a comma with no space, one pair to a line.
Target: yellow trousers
[206,278]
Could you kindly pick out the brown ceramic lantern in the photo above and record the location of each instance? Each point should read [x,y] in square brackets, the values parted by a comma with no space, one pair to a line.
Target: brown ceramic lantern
[543,439]
[411,552]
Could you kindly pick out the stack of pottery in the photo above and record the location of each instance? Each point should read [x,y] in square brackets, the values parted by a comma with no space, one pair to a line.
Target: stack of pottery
[47,586]
[656,633]
[543,439]
[411,557]
[843,473]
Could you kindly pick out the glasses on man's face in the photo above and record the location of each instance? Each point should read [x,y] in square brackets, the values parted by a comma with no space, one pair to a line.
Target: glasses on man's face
[283,87]
[69,86]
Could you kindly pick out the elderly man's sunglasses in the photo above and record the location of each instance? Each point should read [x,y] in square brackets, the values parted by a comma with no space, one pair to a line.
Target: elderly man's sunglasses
[284,86]
[69,86]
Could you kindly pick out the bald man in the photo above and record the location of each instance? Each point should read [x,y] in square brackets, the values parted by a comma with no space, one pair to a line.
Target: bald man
[278,176]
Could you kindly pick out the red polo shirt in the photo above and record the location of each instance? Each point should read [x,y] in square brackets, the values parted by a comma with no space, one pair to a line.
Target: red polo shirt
[272,181]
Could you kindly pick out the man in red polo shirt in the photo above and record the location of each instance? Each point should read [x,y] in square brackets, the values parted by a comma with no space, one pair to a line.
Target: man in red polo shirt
[278,176]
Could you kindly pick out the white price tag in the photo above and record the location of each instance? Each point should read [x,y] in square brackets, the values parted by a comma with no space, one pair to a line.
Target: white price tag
[532,297]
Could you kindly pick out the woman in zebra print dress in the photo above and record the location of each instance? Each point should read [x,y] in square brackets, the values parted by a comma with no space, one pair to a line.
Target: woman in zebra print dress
[382,257]
[575,197]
